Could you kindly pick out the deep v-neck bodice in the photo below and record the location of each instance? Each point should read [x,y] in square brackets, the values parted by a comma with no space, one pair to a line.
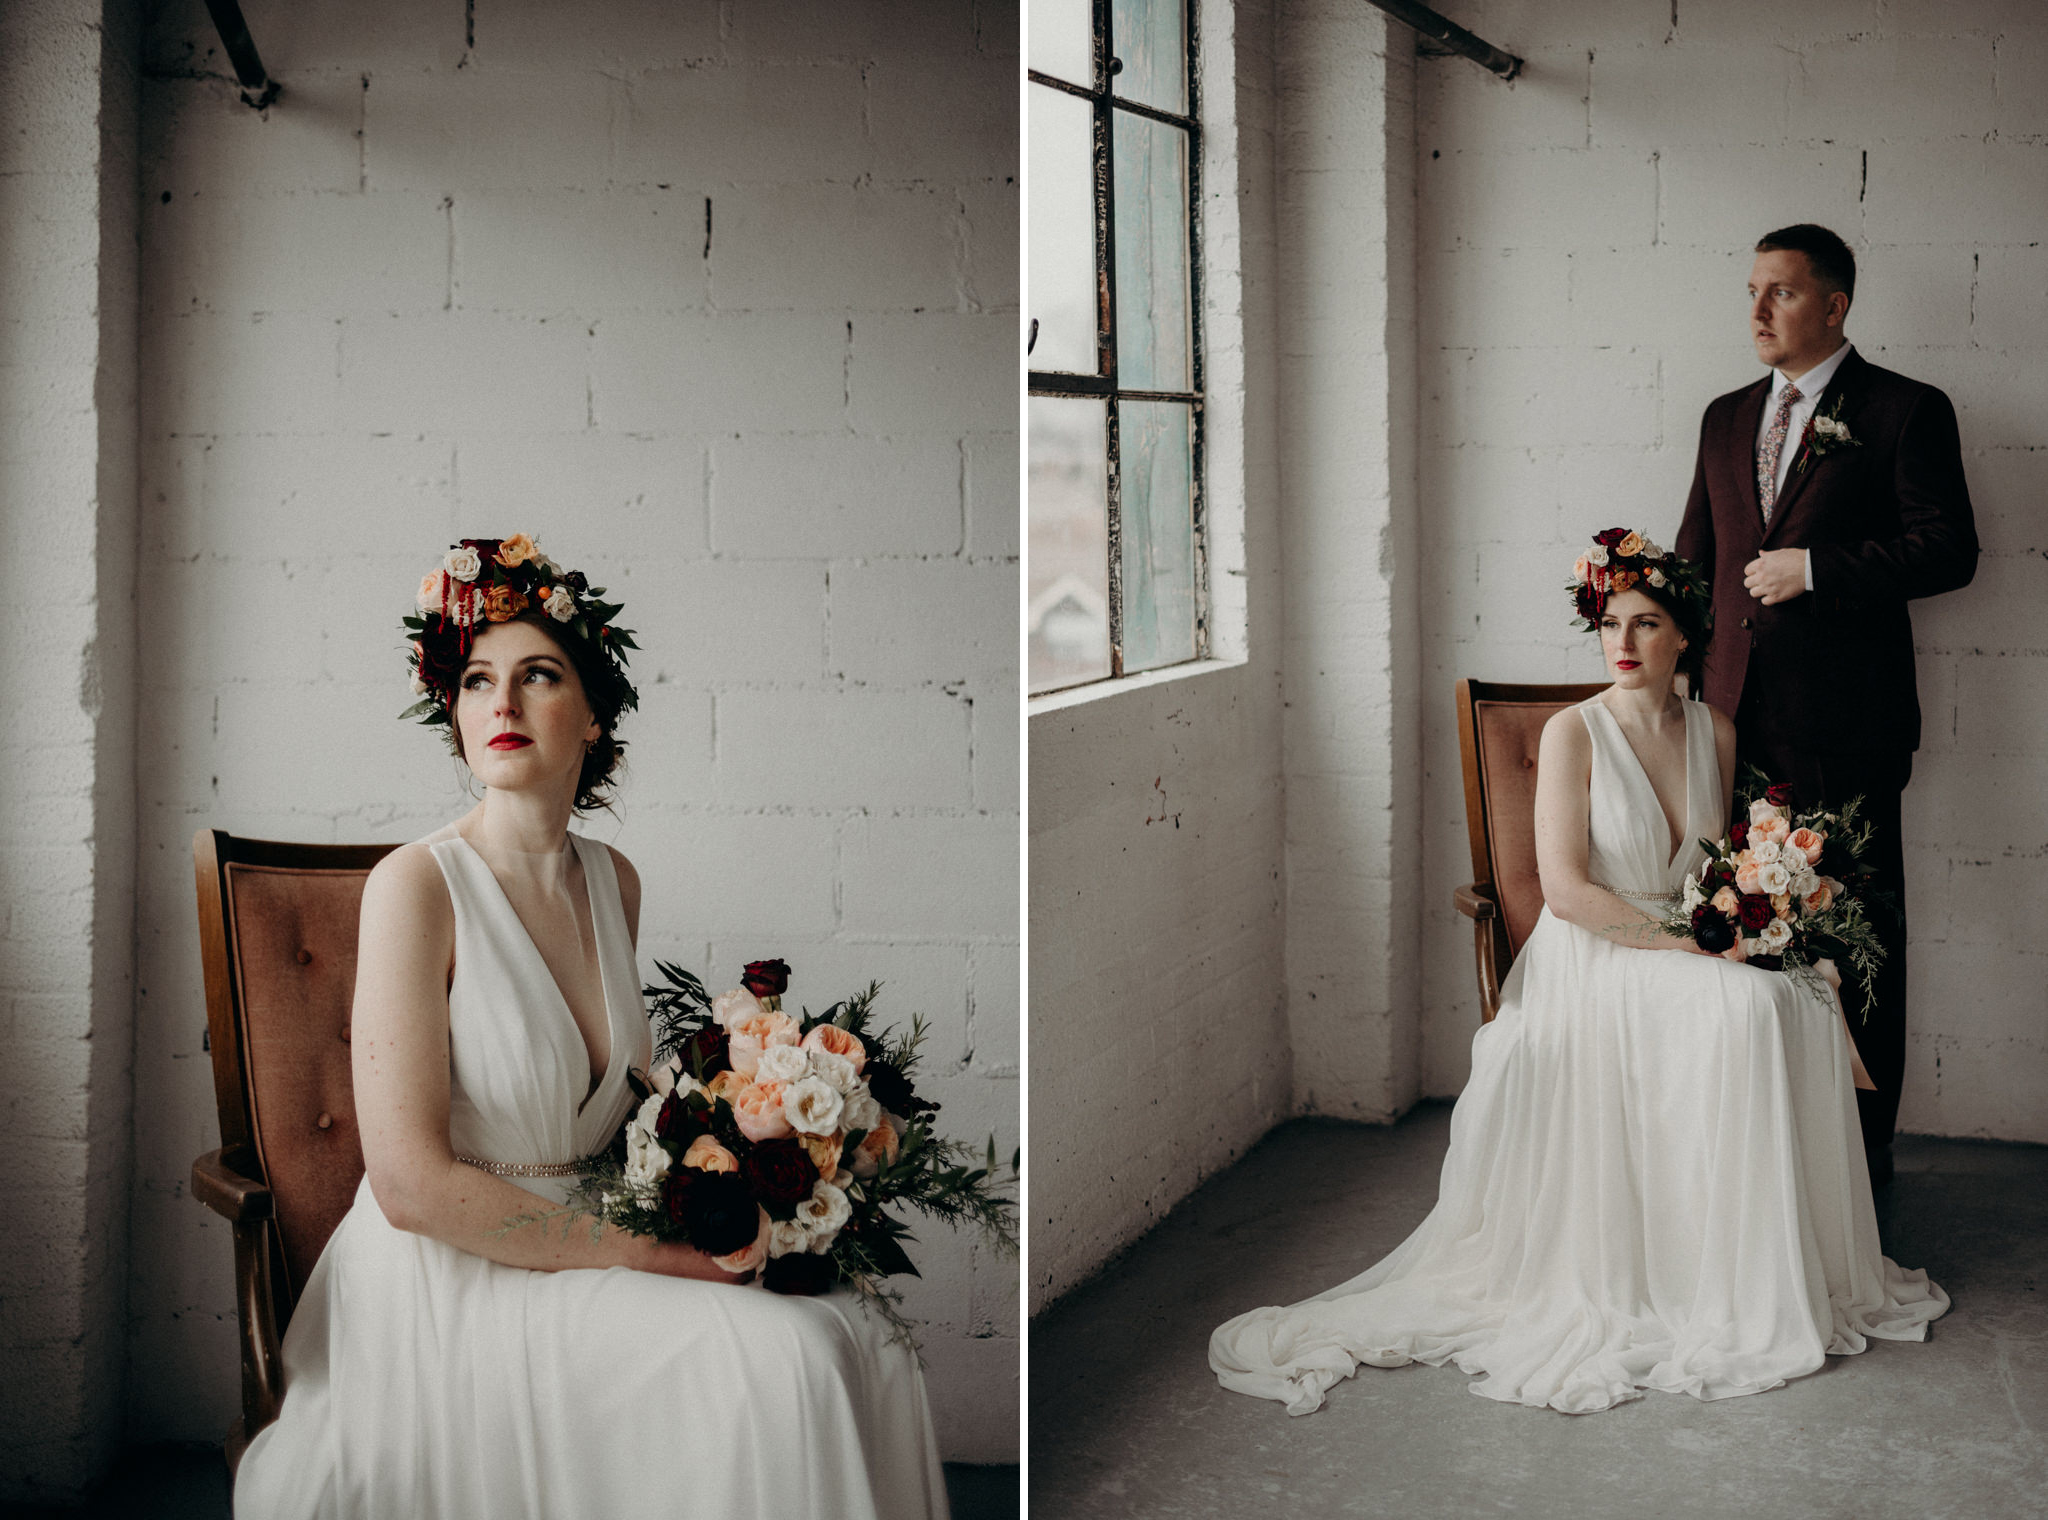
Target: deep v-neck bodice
[1630,832]
[546,972]
[519,1065]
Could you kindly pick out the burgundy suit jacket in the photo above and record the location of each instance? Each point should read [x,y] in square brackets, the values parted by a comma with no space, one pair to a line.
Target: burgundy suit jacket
[1886,520]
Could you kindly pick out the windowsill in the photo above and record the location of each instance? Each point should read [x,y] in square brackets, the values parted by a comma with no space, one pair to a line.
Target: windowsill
[1095,691]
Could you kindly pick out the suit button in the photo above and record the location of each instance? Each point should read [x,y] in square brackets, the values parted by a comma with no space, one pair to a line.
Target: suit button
[1745,622]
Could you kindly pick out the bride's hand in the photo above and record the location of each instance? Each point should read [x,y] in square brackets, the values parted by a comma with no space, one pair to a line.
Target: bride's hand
[674,1259]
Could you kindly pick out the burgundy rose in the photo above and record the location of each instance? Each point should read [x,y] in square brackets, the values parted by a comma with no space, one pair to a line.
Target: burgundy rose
[780,1172]
[799,1272]
[1610,537]
[1779,795]
[766,978]
[1589,602]
[576,581]
[892,1089]
[1739,835]
[1711,930]
[677,1121]
[716,1209]
[1755,910]
[706,1052]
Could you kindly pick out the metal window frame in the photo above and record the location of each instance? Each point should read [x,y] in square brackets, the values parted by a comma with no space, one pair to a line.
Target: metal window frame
[1104,103]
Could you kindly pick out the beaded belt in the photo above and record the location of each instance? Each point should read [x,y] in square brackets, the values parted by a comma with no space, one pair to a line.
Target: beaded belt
[529,1169]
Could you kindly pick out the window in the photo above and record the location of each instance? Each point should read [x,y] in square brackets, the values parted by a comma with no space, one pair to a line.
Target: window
[1118,582]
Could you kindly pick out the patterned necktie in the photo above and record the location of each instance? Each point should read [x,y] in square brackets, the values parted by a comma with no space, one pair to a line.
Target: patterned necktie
[1767,456]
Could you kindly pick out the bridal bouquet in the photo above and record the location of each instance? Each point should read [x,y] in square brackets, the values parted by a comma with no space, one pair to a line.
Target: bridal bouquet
[781,1141]
[1786,890]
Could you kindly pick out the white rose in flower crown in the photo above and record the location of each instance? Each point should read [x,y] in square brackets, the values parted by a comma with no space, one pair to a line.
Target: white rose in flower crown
[729,1008]
[1773,879]
[783,1063]
[823,1214]
[647,1159]
[462,563]
[812,1106]
[1764,852]
[1654,576]
[1651,551]
[1762,811]
[788,1237]
[1777,934]
[834,1070]
[1597,555]
[560,605]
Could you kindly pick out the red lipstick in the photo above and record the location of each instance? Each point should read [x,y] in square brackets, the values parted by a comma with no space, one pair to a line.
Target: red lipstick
[1618,665]
[509,741]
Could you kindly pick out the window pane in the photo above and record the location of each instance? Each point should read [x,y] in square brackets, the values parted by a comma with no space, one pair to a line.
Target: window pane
[1148,36]
[1069,587]
[1062,222]
[1153,446]
[1063,40]
[1151,255]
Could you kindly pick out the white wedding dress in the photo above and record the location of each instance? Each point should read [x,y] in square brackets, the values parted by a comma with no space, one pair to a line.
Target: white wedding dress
[1655,1177]
[424,1381]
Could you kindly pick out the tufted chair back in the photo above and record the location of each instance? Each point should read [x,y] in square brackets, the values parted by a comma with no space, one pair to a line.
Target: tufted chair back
[1499,728]
[277,934]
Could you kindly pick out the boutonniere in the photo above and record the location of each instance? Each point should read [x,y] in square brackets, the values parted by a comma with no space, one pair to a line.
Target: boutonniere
[1826,433]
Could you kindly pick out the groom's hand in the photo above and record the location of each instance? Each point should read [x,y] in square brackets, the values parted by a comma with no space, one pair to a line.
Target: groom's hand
[1776,575]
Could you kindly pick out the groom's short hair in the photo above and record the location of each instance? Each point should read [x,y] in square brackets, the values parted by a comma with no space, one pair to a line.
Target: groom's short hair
[1833,264]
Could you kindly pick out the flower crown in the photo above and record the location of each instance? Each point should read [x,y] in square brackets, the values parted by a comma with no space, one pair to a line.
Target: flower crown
[1618,560]
[493,580]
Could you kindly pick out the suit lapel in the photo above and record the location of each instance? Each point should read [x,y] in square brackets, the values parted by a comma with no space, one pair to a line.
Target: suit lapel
[1846,383]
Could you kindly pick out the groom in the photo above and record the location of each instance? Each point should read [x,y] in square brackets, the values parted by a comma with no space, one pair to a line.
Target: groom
[1827,495]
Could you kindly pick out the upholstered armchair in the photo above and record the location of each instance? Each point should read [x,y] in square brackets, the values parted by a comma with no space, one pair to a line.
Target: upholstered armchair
[277,935]
[1498,729]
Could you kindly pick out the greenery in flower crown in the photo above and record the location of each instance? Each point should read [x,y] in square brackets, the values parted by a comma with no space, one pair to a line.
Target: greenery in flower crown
[1622,559]
[494,580]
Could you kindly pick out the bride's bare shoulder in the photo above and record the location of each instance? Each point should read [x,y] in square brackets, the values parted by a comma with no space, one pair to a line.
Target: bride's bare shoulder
[408,881]
[1564,733]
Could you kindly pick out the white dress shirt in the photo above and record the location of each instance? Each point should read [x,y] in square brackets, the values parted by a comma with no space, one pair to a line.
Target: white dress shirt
[1810,384]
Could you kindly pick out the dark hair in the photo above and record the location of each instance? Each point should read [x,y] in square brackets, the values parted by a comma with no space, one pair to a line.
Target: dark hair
[1833,264]
[1692,660]
[601,689]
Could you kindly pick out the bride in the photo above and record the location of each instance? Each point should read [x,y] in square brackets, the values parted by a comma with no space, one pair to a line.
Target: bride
[441,1365]
[1655,1177]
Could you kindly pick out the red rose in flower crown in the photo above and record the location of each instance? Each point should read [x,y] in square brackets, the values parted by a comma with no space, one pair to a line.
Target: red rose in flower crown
[1622,559]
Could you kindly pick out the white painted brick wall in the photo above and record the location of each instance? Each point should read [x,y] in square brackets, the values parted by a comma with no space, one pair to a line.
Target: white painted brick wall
[67,809]
[1584,244]
[458,285]
[1159,1039]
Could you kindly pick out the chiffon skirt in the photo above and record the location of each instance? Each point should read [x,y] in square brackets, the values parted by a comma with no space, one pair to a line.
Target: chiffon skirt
[1655,1180]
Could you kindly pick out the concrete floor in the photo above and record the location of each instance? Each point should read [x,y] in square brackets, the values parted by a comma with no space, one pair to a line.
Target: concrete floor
[1127,1420]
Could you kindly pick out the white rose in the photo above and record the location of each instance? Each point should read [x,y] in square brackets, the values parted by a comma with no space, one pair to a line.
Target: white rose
[834,1070]
[788,1237]
[783,1063]
[823,1213]
[1764,852]
[647,1159]
[1805,882]
[462,563]
[812,1106]
[560,605]
[1773,879]
[1654,576]
[1761,811]
[1692,896]
[1776,936]
[1651,551]
[861,1111]
[1597,555]
[730,1008]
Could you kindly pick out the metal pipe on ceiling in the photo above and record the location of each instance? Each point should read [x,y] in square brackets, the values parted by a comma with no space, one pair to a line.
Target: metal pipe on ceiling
[258,88]
[1450,35]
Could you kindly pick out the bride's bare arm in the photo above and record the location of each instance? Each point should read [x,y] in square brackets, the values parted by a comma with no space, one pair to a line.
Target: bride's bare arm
[1564,784]
[399,1054]
[1724,751]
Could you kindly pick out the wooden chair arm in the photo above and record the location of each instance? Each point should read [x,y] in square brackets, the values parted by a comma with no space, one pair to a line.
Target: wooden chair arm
[1475,902]
[217,1184]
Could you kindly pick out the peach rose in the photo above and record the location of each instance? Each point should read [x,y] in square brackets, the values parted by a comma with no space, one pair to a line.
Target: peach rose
[1762,810]
[502,604]
[707,1155]
[1581,570]
[1630,546]
[748,1257]
[838,1042]
[1807,843]
[1781,904]
[1822,897]
[824,1152]
[754,1034]
[1725,901]
[758,1112]
[1624,579]
[729,1008]
[516,550]
[878,1148]
[727,1085]
[1777,830]
[433,595]
[1746,876]
[1739,951]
